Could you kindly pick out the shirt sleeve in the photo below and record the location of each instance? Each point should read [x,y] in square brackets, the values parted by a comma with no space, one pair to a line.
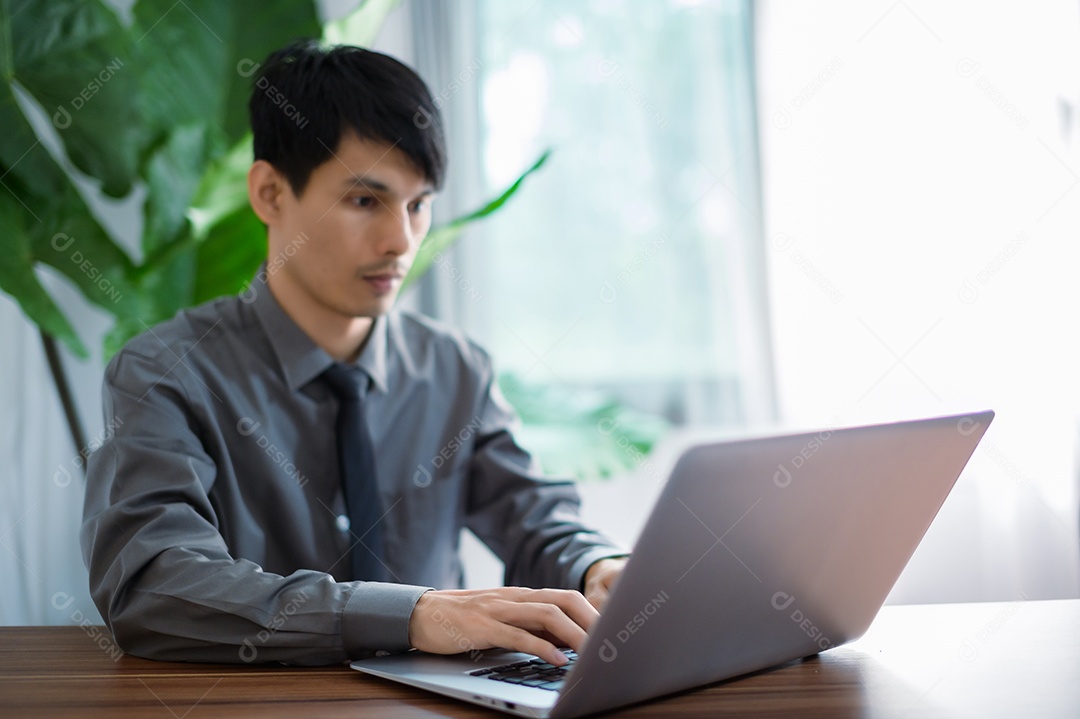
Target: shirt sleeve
[528,520]
[160,571]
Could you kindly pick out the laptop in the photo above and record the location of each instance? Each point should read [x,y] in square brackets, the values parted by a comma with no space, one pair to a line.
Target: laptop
[757,552]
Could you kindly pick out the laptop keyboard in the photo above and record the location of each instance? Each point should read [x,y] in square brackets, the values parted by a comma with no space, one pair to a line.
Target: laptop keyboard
[530,673]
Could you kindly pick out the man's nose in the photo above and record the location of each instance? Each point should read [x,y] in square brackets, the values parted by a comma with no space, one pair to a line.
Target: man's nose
[396,236]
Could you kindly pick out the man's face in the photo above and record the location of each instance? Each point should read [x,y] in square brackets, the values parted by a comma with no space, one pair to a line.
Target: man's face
[346,243]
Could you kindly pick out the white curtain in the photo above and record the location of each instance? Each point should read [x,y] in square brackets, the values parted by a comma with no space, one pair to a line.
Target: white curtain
[41,480]
[921,164]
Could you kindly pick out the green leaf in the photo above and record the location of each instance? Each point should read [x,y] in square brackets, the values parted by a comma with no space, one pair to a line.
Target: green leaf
[77,61]
[71,240]
[223,189]
[198,58]
[583,434]
[361,26]
[22,154]
[443,237]
[17,276]
[172,176]
[221,195]
[182,61]
[162,291]
[259,27]
[63,233]
[229,258]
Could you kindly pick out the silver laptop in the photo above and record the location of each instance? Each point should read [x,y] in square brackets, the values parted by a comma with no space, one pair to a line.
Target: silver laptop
[757,552]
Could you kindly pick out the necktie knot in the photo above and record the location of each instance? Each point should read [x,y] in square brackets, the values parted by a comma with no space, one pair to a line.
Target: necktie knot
[344,381]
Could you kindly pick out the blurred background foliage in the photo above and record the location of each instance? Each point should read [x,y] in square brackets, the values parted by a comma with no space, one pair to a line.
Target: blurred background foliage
[137,105]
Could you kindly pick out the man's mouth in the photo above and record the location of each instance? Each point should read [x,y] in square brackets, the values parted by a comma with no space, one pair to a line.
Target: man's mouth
[384,282]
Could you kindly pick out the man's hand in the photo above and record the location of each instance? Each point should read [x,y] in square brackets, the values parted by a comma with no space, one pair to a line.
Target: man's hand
[535,621]
[600,578]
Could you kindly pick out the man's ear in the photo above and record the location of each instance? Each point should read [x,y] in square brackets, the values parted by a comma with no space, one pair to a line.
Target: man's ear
[266,189]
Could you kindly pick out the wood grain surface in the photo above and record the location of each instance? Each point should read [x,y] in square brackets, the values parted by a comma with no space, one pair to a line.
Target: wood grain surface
[951,660]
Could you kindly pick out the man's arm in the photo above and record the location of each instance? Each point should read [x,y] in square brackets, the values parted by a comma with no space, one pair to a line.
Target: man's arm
[532,524]
[160,571]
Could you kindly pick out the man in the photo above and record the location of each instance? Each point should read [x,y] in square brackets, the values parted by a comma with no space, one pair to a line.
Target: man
[234,515]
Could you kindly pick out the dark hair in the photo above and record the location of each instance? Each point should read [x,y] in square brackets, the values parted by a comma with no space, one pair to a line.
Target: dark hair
[306,96]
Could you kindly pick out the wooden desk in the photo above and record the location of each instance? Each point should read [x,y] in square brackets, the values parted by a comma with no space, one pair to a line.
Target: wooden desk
[954,660]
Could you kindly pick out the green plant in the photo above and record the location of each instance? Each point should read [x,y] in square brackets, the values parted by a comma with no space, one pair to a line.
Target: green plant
[148,105]
[585,435]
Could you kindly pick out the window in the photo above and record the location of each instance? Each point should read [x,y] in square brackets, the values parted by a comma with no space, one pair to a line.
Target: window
[630,265]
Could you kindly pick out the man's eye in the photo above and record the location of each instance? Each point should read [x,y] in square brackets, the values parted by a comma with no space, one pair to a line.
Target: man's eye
[363,201]
[418,206]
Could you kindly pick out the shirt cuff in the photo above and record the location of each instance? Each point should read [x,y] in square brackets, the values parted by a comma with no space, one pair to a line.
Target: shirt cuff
[576,577]
[376,617]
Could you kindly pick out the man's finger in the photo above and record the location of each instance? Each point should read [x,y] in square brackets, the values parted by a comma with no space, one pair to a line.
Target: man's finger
[573,604]
[519,640]
[539,617]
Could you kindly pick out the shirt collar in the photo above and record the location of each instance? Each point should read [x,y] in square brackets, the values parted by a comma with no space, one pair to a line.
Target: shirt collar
[300,359]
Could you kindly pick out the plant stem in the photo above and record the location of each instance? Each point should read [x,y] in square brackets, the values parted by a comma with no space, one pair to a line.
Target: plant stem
[63,388]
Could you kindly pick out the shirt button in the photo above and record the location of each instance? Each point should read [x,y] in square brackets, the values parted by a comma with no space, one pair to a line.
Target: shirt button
[343,523]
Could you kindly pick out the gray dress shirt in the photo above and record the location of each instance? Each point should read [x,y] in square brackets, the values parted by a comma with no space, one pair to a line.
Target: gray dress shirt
[214,527]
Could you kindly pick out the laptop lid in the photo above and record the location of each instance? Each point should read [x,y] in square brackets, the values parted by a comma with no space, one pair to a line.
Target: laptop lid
[760,551]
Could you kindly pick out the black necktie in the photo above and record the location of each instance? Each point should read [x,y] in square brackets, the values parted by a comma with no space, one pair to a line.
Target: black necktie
[356,459]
